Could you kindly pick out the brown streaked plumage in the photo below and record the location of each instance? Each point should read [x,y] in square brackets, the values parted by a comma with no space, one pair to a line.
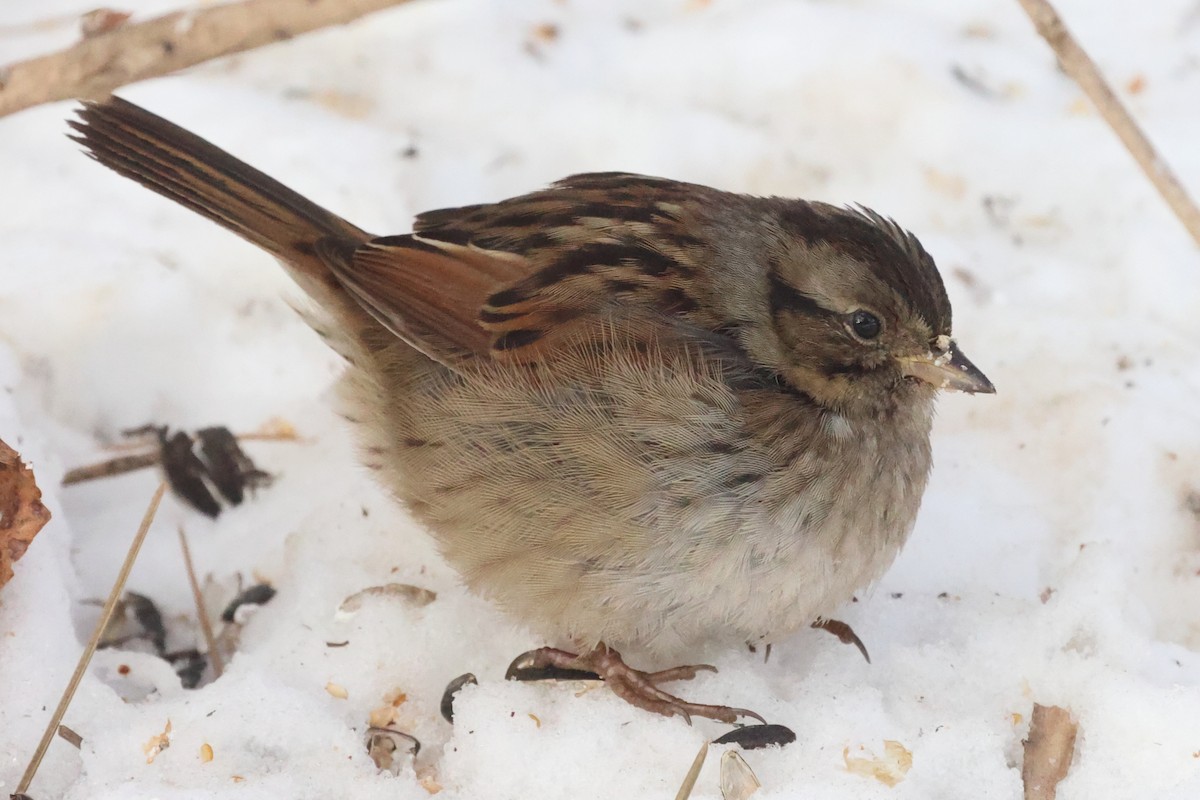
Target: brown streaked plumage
[632,411]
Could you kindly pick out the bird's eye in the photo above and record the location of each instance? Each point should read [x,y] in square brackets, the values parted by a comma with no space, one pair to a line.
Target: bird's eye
[865,324]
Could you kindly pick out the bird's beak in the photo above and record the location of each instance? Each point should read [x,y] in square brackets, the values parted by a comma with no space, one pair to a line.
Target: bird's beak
[945,367]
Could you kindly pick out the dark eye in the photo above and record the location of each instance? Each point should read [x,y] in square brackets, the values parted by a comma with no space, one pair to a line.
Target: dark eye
[865,324]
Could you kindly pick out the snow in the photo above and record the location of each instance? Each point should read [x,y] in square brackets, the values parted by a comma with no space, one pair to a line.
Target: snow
[1056,559]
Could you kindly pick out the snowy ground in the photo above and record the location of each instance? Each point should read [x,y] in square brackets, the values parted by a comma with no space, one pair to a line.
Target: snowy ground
[1057,555]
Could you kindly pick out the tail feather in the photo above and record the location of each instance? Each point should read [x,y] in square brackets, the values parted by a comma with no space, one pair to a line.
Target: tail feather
[198,175]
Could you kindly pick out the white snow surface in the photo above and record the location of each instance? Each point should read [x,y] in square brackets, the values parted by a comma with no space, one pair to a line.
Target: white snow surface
[1057,555]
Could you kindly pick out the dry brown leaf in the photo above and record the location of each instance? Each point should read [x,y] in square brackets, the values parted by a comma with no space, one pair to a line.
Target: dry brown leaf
[889,769]
[1048,751]
[22,514]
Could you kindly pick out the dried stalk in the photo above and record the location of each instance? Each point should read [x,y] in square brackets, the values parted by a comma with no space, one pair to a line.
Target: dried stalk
[689,780]
[120,465]
[1083,70]
[114,466]
[214,654]
[85,658]
[95,66]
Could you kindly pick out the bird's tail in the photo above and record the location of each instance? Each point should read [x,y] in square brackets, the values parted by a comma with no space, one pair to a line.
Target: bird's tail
[179,165]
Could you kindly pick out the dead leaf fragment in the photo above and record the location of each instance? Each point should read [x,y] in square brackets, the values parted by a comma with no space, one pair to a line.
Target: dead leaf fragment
[889,769]
[22,514]
[1048,751]
[157,743]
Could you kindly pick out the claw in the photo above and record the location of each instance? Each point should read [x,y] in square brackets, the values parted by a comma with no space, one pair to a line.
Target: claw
[844,633]
[634,686]
[546,664]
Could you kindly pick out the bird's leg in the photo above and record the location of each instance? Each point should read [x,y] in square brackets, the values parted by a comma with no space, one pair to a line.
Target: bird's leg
[634,686]
[844,633]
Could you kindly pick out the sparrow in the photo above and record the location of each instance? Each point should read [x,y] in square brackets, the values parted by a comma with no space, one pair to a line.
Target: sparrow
[634,412]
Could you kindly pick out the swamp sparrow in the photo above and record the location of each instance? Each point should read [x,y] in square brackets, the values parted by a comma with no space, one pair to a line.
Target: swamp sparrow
[632,411]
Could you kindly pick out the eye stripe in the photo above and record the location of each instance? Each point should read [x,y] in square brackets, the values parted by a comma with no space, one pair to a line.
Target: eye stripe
[785,297]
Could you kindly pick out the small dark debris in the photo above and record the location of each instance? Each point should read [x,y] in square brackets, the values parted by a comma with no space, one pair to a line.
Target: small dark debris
[149,619]
[189,665]
[1191,502]
[410,152]
[897,595]
[974,82]
[755,737]
[185,472]
[258,594]
[220,463]
[229,468]
[966,276]
[452,688]
[999,209]
[337,644]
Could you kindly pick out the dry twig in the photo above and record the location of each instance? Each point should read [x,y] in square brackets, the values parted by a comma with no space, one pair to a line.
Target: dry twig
[114,466]
[214,654]
[131,52]
[1048,751]
[1083,70]
[85,658]
[689,780]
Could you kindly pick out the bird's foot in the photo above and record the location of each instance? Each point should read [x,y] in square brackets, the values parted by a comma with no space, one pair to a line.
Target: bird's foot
[634,686]
[844,633]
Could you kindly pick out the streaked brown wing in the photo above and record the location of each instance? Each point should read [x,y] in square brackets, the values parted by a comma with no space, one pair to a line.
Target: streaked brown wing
[514,280]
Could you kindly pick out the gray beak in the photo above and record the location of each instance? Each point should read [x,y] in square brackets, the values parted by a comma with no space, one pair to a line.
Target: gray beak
[947,368]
